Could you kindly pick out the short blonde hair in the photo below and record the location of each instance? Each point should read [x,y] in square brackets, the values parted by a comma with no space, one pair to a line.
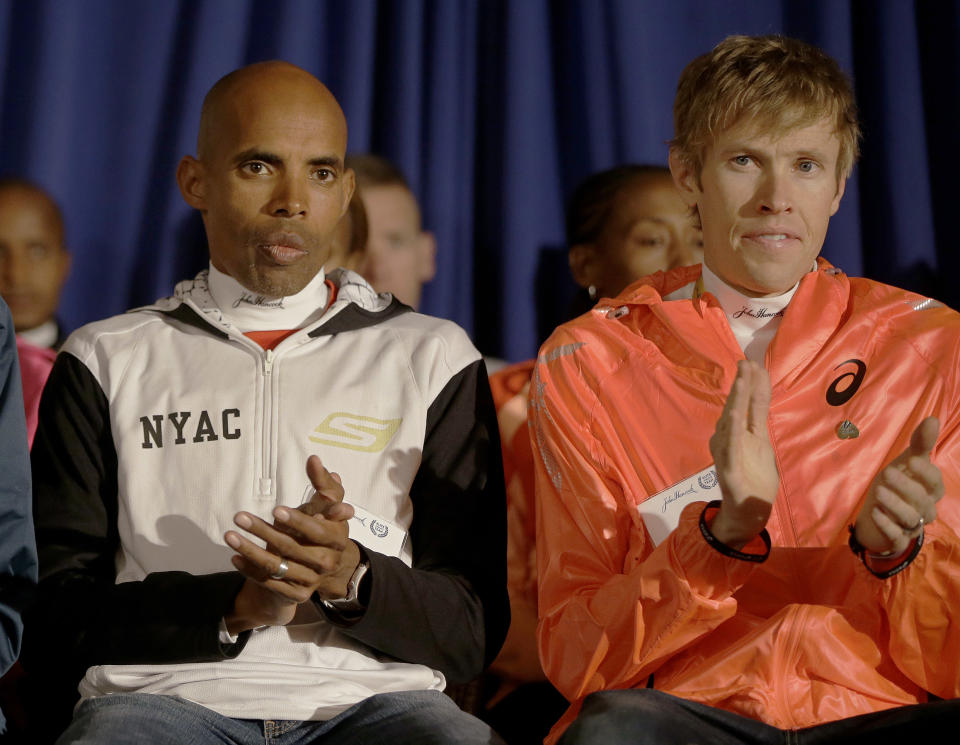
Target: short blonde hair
[775,82]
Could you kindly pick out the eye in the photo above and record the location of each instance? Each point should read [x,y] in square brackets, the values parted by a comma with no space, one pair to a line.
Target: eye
[741,160]
[38,251]
[807,166]
[650,241]
[254,168]
[324,174]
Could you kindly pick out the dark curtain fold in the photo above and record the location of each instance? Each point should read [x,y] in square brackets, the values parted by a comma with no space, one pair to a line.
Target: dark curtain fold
[494,109]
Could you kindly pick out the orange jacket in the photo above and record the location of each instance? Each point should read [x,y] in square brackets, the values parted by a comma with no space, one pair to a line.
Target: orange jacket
[623,403]
[518,661]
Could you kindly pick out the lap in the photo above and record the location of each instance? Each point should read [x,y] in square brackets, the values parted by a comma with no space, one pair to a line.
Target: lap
[409,718]
[894,726]
[402,718]
[651,717]
[646,716]
[135,718]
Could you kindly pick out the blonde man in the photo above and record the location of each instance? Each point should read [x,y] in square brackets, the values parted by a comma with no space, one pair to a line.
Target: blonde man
[741,469]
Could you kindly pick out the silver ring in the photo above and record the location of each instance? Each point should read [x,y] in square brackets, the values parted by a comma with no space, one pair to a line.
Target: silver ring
[281,570]
[916,527]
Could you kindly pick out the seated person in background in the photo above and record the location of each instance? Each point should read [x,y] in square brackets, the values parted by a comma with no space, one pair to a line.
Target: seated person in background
[348,247]
[34,261]
[18,555]
[622,224]
[740,467]
[401,256]
[269,505]
[33,267]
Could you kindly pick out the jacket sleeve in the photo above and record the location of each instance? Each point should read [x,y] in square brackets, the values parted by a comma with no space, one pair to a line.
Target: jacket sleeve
[920,602]
[450,610]
[612,607]
[18,555]
[83,617]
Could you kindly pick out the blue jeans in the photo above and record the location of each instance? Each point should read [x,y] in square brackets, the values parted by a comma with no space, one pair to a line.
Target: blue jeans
[403,718]
[646,716]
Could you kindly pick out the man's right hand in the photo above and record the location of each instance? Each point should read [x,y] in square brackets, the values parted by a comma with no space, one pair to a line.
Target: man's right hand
[309,547]
[744,459]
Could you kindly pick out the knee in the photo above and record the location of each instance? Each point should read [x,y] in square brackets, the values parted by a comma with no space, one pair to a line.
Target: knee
[634,717]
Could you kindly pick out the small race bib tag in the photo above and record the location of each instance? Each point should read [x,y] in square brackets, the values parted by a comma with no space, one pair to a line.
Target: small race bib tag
[375,533]
[371,531]
[661,512]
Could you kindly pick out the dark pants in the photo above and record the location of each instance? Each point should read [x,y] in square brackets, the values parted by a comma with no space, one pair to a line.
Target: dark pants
[651,717]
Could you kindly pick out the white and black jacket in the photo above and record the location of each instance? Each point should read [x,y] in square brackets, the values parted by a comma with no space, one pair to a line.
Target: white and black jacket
[158,425]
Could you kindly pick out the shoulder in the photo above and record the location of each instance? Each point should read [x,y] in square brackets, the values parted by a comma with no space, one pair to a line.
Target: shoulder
[110,341]
[924,321]
[432,341]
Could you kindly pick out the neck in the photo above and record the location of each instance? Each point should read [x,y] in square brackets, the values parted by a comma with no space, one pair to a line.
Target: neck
[753,320]
[250,311]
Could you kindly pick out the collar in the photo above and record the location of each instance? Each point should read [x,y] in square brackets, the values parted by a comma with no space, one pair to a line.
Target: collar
[753,320]
[44,335]
[248,311]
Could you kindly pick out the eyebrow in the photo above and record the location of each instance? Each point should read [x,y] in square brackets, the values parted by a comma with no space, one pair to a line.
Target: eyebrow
[746,147]
[255,154]
[275,160]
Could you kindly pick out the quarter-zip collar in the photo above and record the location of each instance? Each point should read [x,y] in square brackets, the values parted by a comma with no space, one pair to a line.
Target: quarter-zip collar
[753,320]
[246,311]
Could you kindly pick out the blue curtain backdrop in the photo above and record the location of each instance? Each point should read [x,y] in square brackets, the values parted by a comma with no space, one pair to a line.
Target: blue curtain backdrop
[494,109]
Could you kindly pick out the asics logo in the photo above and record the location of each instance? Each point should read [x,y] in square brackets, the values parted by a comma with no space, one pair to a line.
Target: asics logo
[355,432]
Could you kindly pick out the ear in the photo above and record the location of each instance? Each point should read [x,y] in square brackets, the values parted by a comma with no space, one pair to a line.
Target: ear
[582,259]
[428,256]
[841,187]
[684,177]
[190,180]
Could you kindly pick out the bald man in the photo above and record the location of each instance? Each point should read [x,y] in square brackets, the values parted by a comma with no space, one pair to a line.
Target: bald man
[271,503]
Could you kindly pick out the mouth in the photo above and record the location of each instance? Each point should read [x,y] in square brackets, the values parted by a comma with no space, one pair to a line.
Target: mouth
[772,239]
[282,248]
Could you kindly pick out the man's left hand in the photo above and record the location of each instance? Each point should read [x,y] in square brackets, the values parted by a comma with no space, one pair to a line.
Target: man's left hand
[903,496]
[312,541]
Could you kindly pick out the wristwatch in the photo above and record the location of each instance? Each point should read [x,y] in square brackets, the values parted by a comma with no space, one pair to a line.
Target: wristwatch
[351,601]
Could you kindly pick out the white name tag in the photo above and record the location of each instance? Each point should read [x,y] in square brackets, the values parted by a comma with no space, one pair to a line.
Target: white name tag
[375,533]
[661,512]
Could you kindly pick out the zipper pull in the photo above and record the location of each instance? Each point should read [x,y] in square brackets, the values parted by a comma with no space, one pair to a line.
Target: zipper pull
[268,362]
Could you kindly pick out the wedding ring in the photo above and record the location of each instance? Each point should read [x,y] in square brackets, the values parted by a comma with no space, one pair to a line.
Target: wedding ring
[282,569]
[915,528]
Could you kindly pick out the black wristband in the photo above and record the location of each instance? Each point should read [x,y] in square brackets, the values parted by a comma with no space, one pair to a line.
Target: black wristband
[723,548]
[861,552]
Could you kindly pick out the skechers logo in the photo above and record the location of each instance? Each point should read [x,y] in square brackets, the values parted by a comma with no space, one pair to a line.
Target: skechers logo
[354,432]
[174,424]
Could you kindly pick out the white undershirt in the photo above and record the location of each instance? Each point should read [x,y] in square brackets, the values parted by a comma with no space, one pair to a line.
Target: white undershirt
[249,311]
[44,335]
[753,320]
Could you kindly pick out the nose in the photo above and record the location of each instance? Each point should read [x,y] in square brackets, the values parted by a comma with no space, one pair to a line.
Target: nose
[681,253]
[773,193]
[289,198]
